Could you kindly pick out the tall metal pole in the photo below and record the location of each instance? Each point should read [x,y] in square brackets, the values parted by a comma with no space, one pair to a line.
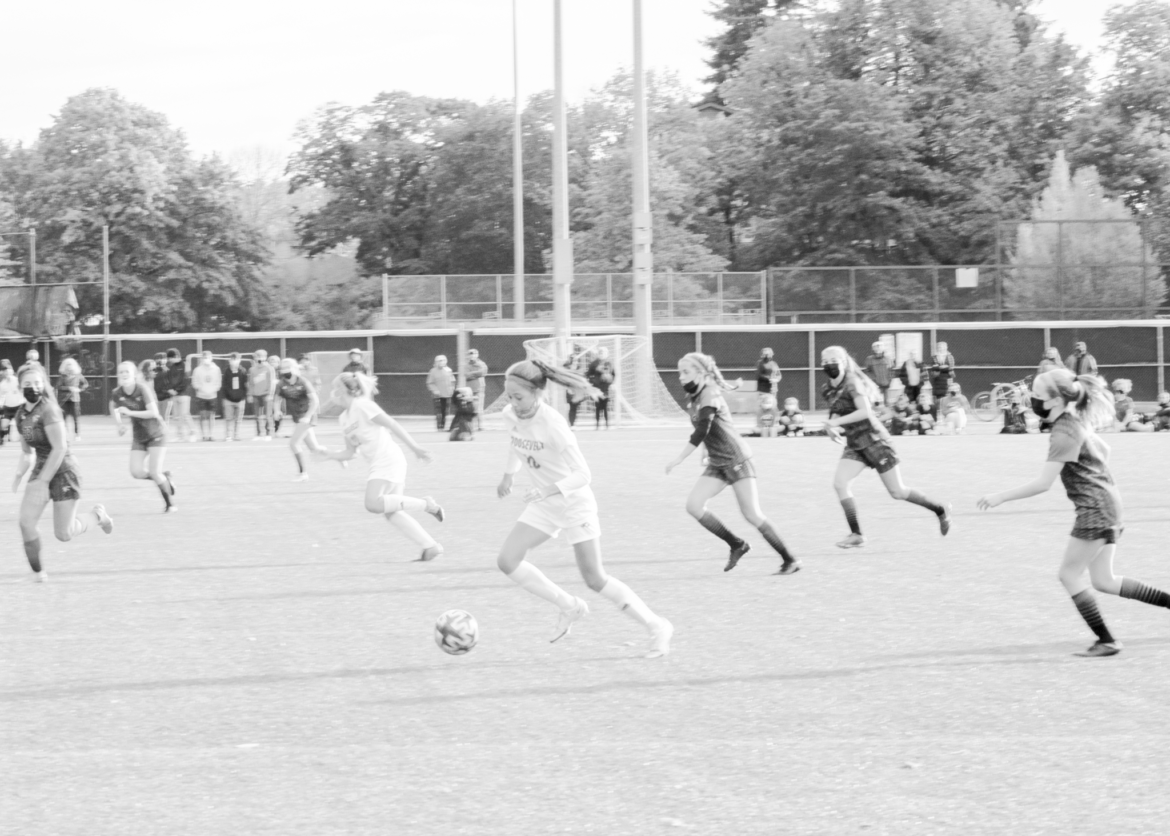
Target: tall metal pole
[105,313]
[517,177]
[643,221]
[32,255]
[562,243]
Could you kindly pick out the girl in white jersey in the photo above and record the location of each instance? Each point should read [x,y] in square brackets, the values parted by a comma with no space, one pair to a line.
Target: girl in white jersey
[368,429]
[560,499]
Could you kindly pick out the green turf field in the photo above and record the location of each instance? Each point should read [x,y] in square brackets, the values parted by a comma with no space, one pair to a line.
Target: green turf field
[262,662]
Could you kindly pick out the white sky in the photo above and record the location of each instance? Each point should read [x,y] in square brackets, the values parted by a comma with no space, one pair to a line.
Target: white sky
[236,74]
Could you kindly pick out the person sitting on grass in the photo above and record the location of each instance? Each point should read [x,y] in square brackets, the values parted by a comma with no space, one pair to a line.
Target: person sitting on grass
[903,416]
[791,418]
[1161,417]
[1128,419]
[953,409]
[924,420]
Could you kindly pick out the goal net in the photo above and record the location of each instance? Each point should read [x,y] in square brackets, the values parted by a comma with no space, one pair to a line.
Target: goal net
[637,396]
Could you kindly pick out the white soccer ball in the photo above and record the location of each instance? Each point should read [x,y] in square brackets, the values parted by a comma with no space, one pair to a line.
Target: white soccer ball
[456,632]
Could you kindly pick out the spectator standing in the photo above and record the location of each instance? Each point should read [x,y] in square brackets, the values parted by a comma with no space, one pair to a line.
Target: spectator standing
[880,369]
[441,383]
[767,374]
[159,380]
[32,360]
[463,415]
[206,380]
[911,374]
[355,365]
[313,374]
[70,384]
[942,374]
[234,391]
[274,365]
[600,375]
[1081,361]
[179,385]
[261,385]
[11,398]
[477,382]
[1051,360]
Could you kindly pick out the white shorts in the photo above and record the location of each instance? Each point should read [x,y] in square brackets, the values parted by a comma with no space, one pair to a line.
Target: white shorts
[578,527]
[389,467]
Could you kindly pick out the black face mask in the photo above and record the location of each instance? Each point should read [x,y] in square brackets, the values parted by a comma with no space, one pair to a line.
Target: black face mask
[30,394]
[691,387]
[833,370]
[286,375]
[1040,409]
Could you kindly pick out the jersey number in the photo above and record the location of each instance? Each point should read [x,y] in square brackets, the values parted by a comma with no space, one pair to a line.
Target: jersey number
[533,463]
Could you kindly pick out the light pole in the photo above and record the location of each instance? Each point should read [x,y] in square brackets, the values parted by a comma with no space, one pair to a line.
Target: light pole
[517,178]
[640,164]
[562,243]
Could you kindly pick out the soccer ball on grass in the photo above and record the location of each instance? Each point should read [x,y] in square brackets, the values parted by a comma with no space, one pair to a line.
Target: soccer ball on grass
[456,632]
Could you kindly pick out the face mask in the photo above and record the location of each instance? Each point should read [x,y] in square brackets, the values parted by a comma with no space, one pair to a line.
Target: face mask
[1040,409]
[833,370]
[287,375]
[691,387]
[30,394]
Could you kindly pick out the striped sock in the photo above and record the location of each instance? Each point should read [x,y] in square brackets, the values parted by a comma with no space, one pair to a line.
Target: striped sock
[1143,592]
[918,499]
[32,551]
[850,508]
[1087,606]
[774,540]
[711,522]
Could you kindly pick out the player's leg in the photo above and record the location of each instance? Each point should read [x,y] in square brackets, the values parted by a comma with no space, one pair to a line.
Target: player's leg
[588,555]
[849,469]
[68,524]
[155,459]
[1077,557]
[296,444]
[892,479]
[385,497]
[747,494]
[705,489]
[32,505]
[512,561]
[138,469]
[1103,580]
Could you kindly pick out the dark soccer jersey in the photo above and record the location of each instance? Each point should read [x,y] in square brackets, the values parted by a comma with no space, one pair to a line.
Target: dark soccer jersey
[31,420]
[296,396]
[859,434]
[140,397]
[724,446]
[1085,474]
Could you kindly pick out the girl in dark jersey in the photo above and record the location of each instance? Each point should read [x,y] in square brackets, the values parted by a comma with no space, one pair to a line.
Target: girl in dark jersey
[851,396]
[55,477]
[1076,407]
[301,404]
[729,461]
[134,399]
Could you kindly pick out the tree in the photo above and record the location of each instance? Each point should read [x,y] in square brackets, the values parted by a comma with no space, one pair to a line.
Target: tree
[181,256]
[743,19]
[1080,267]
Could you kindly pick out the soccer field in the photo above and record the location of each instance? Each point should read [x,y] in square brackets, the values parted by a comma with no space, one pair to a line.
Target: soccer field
[262,662]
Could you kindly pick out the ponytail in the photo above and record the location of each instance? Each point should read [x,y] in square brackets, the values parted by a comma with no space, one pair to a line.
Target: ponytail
[535,374]
[1086,396]
[356,385]
[707,363]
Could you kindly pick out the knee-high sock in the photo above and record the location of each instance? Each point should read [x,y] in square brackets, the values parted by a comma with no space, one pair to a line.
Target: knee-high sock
[32,551]
[1135,589]
[850,509]
[712,523]
[164,487]
[397,502]
[1087,606]
[628,601]
[409,526]
[774,540]
[918,499]
[534,580]
[300,462]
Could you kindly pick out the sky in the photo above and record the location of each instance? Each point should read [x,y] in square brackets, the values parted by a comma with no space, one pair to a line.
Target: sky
[236,75]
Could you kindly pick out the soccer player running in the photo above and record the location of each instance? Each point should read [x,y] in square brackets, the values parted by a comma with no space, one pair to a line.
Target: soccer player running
[1076,407]
[368,429]
[301,404]
[55,477]
[560,500]
[133,400]
[729,461]
[851,396]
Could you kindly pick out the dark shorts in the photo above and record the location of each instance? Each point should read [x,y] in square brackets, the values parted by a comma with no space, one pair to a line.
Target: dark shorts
[65,485]
[1110,534]
[881,457]
[732,473]
[146,443]
[205,404]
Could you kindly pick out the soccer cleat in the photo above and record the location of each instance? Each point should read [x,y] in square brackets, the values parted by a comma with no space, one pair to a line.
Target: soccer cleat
[736,553]
[1101,648]
[435,509]
[104,520]
[430,553]
[853,541]
[660,634]
[170,509]
[789,567]
[302,477]
[566,618]
[944,520]
[40,577]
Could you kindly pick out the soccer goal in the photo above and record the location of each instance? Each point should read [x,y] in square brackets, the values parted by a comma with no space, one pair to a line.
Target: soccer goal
[637,395]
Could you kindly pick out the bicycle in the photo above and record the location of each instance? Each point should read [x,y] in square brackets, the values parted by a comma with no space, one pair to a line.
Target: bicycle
[991,404]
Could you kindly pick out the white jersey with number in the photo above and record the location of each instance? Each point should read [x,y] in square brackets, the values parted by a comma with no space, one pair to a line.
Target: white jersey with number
[372,440]
[546,446]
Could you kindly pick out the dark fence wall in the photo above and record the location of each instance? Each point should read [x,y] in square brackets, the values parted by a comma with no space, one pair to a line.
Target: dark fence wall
[986,353]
